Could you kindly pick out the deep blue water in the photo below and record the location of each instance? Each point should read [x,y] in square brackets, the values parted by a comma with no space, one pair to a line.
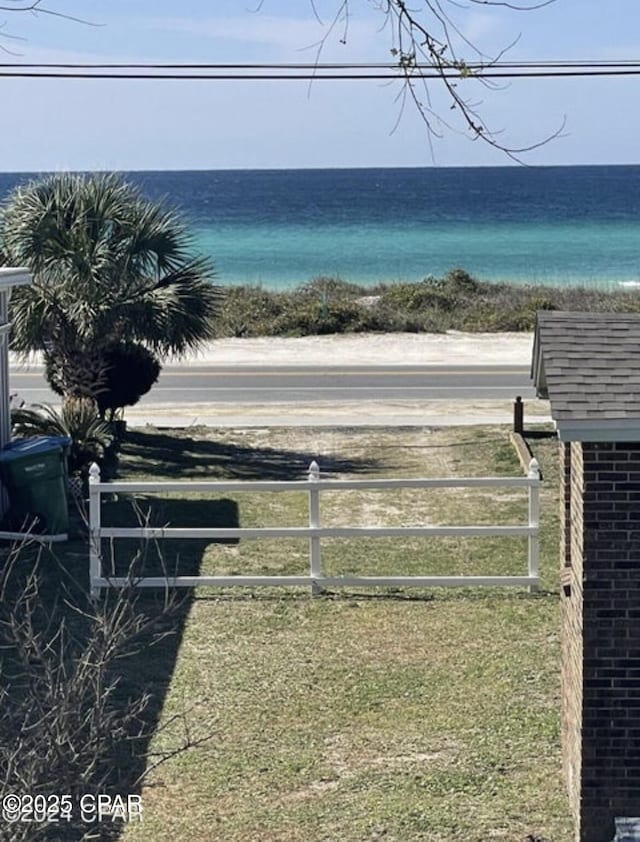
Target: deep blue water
[280,228]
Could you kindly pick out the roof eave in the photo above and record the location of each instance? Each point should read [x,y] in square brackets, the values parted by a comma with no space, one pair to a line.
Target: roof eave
[537,372]
[591,430]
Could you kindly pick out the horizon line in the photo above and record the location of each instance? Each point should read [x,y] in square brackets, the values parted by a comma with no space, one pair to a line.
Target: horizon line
[315,168]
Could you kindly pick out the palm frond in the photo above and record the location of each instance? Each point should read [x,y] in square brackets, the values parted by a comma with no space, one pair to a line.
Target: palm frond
[78,419]
[108,265]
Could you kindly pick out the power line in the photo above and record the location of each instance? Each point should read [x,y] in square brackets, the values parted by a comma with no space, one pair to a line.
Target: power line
[309,77]
[320,66]
[320,71]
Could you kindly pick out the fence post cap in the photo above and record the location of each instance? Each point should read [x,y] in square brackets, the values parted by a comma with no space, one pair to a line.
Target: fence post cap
[314,470]
[94,473]
[534,469]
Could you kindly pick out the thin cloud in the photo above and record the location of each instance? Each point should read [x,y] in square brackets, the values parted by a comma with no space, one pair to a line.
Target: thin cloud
[285,36]
[282,33]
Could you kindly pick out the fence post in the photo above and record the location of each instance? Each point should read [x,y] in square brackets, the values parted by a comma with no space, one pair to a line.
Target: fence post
[94,530]
[314,521]
[518,415]
[534,521]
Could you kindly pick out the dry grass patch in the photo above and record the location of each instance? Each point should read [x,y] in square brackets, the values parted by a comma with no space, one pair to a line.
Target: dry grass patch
[429,715]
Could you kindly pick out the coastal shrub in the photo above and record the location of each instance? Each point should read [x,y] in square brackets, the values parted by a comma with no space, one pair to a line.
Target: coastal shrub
[589,299]
[488,317]
[114,376]
[510,321]
[541,303]
[456,301]
[130,370]
[415,297]
[460,282]
[78,373]
[325,287]
[311,318]
[249,311]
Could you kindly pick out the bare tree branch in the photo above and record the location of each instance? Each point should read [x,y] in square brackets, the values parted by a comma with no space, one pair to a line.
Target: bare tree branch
[426,37]
[37,7]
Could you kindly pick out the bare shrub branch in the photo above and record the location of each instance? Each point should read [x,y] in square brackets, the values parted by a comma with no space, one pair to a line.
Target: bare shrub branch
[70,721]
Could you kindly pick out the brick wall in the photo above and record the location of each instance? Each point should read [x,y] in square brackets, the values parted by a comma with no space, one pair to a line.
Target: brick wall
[571,618]
[601,637]
[565,504]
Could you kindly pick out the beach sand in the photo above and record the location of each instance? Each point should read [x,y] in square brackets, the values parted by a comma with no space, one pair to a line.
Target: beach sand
[451,348]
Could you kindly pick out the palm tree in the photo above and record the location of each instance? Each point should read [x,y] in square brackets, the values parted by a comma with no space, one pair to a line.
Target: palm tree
[108,266]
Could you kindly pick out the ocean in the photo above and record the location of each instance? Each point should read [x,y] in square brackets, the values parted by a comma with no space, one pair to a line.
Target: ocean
[281,228]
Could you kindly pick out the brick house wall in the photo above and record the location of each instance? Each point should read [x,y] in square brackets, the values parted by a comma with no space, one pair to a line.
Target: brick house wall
[571,519]
[600,616]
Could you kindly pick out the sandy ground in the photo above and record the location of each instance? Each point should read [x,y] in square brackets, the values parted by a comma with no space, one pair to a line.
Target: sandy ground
[353,414]
[452,348]
[364,349]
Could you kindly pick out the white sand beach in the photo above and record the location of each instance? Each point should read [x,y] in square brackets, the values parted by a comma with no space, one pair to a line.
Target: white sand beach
[451,348]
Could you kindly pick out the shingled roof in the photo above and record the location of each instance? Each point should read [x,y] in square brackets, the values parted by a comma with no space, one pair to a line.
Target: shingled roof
[588,365]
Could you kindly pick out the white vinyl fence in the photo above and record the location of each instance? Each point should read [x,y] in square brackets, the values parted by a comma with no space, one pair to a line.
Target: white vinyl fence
[314,532]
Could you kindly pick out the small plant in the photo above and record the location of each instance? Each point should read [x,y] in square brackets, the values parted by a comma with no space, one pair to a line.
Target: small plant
[78,419]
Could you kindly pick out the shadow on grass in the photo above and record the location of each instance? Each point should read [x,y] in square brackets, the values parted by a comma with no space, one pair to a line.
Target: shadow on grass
[442,594]
[185,455]
[540,434]
[169,557]
[143,667]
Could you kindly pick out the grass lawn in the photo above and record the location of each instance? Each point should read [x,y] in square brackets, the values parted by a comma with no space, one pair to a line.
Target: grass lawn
[362,715]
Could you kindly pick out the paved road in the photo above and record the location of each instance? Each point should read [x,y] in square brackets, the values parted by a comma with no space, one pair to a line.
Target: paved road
[258,385]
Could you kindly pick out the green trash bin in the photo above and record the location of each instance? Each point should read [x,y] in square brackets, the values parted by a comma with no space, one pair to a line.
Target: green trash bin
[34,473]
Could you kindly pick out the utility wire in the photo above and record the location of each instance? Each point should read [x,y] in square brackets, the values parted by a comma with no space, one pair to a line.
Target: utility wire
[313,77]
[320,66]
[322,72]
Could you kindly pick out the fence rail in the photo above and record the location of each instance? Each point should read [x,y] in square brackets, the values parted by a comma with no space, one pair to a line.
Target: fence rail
[314,532]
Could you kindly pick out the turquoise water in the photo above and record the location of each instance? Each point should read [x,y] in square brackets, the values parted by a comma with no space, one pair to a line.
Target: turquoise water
[281,228]
[600,254]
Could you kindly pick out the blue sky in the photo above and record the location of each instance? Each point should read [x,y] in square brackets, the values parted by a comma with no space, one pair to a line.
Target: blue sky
[72,124]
